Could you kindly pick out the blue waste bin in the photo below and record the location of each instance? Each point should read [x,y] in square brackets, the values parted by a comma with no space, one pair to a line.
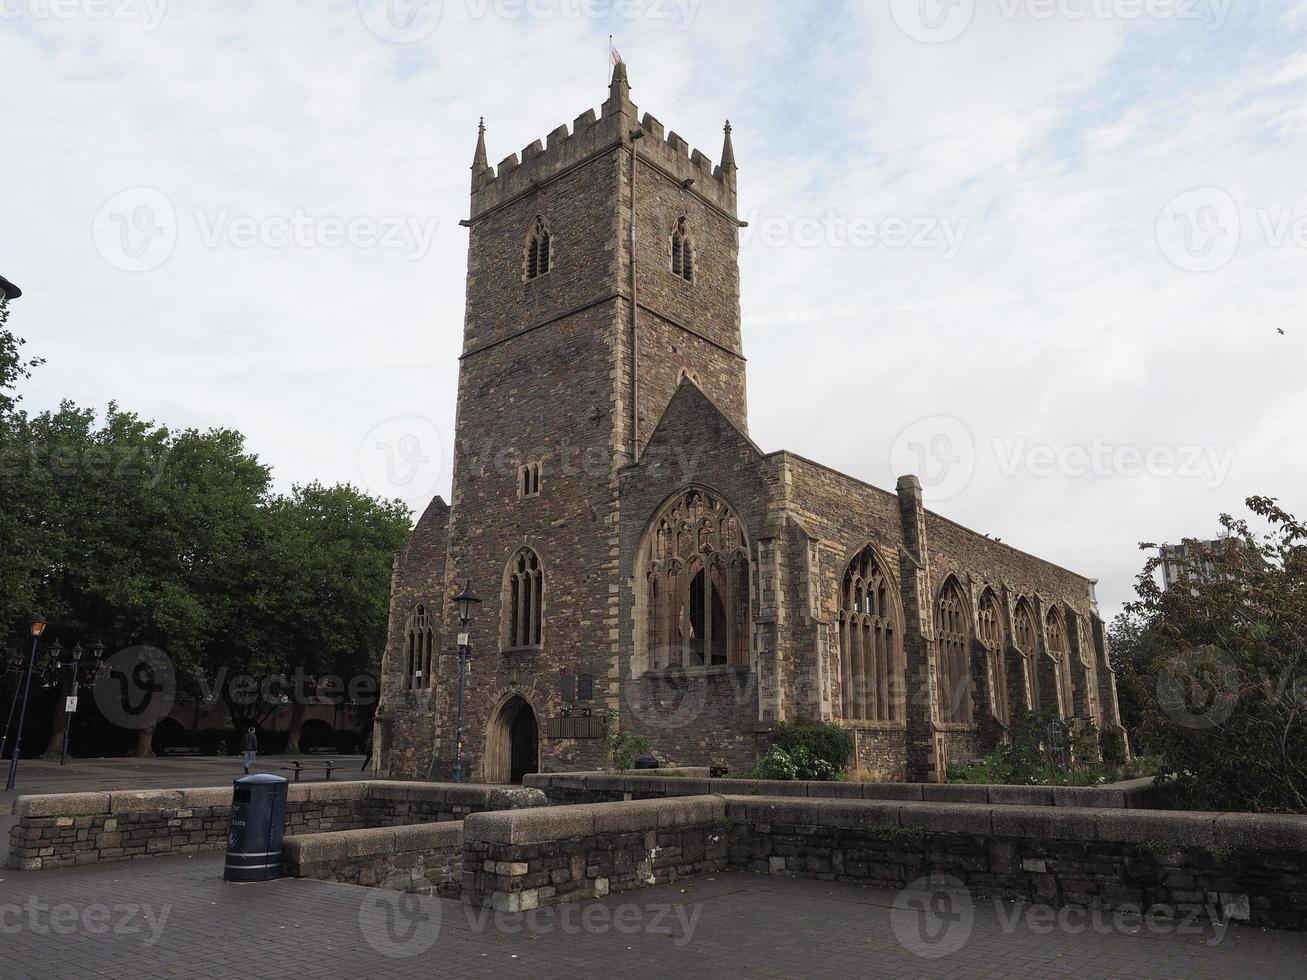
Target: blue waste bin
[258,816]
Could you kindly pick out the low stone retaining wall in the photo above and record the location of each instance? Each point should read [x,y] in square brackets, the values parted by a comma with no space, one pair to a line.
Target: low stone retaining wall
[64,829]
[521,860]
[1227,865]
[424,858]
[1244,867]
[567,788]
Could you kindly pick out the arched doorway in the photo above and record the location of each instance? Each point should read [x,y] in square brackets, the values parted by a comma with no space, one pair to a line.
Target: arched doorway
[512,743]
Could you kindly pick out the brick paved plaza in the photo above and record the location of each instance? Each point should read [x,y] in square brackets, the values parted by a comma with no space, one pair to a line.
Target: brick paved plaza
[738,925]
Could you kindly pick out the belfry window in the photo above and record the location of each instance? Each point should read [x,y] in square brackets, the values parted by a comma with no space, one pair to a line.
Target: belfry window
[421,636]
[539,250]
[523,601]
[528,480]
[871,656]
[683,257]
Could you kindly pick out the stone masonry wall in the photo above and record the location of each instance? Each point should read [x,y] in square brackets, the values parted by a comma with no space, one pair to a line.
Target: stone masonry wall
[572,788]
[406,721]
[423,858]
[1242,867]
[515,862]
[60,830]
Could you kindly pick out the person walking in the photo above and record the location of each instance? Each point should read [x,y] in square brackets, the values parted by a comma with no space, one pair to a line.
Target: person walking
[250,746]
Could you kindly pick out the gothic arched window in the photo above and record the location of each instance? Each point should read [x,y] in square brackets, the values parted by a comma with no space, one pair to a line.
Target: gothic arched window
[953,642]
[420,640]
[1024,636]
[1060,653]
[989,630]
[696,585]
[539,254]
[871,658]
[683,251]
[523,601]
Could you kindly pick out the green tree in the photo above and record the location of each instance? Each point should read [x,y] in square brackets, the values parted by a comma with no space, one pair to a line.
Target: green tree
[13,366]
[1222,657]
[140,534]
[329,557]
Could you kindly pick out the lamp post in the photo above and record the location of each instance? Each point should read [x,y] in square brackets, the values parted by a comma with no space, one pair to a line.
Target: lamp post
[70,702]
[467,601]
[14,662]
[38,627]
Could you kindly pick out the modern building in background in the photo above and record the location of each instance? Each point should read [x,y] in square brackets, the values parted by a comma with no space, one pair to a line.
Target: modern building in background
[639,553]
[1190,561]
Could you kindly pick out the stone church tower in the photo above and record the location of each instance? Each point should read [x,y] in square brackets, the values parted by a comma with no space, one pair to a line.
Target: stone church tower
[636,551]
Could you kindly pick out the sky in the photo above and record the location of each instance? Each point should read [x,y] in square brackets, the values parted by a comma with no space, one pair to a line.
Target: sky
[1039,252]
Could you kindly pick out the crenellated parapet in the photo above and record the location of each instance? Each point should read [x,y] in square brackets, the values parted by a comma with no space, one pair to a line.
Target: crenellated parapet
[595,133]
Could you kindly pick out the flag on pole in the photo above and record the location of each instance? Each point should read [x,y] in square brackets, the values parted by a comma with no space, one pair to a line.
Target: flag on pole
[617,58]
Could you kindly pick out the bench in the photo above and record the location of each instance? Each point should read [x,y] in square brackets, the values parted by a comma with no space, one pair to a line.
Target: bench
[181,750]
[298,767]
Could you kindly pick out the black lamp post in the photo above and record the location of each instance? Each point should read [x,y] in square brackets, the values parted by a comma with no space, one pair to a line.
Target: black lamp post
[38,627]
[14,663]
[467,601]
[70,703]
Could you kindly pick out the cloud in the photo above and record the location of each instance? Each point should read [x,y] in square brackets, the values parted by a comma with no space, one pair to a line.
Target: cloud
[1055,143]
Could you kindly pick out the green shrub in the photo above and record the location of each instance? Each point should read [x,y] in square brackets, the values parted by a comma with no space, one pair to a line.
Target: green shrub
[822,740]
[776,764]
[623,749]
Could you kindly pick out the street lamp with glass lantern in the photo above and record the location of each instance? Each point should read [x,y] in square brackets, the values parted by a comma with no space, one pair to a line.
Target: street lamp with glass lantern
[37,628]
[467,601]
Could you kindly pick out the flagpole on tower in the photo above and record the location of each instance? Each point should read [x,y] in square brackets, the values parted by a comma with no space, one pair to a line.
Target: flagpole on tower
[612,65]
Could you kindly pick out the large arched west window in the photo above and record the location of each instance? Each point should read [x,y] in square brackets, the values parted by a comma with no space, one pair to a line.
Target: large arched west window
[696,580]
[539,249]
[989,630]
[871,655]
[523,605]
[1024,635]
[421,636]
[953,644]
[1060,655]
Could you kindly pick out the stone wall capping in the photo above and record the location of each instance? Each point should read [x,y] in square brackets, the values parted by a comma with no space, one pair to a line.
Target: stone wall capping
[955,793]
[1090,796]
[951,818]
[636,815]
[141,801]
[1261,831]
[892,791]
[61,805]
[208,796]
[368,841]
[811,812]
[1022,795]
[671,785]
[387,789]
[425,836]
[326,791]
[1157,827]
[1046,822]
[314,848]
